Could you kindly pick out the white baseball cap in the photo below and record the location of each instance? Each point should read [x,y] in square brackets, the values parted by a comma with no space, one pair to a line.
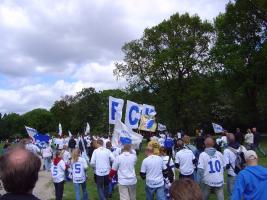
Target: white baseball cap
[250,155]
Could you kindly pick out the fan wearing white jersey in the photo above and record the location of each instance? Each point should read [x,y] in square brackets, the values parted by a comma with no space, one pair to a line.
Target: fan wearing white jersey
[210,170]
[153,170]
[231,154]
[185,161]
[124,165]
[59,143]
[66,155]
[100,161]
[58,174]
[78,168]
[167,160]
[32,147]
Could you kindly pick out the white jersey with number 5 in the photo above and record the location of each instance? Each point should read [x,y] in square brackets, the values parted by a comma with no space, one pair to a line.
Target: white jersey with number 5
[213,168]
[78,170]
[58,171]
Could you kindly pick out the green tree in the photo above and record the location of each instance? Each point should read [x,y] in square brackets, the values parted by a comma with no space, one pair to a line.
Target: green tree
[241,52]
[40,119]
[63,112]
[166,63]
[12,125]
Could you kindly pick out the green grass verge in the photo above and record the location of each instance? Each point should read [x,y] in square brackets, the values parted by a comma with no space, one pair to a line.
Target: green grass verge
[69,193]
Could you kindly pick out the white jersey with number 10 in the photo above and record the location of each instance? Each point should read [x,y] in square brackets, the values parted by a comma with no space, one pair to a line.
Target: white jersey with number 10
[213,168]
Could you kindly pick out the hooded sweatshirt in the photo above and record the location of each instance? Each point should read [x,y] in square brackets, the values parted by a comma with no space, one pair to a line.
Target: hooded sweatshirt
[251,184]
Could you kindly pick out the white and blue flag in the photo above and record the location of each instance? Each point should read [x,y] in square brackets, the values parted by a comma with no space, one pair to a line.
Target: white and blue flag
[124,135]
[217,128]
[39,139]
[60,130]
[70,135]
[31,131]
[162,127]
[87,130]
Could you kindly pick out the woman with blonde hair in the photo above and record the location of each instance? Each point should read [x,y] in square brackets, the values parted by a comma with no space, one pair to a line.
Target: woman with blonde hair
[78,168]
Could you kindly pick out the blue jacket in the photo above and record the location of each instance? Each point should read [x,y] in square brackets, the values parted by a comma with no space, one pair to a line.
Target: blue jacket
[168,143]
[251,183]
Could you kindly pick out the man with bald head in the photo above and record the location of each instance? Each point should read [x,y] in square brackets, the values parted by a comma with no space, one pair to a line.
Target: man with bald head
[19,173]
[210,170]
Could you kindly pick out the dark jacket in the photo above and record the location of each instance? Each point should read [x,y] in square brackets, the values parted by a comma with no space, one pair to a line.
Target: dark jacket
[10,196]
[81,145]
[72,143]
[257,138]
[199,142]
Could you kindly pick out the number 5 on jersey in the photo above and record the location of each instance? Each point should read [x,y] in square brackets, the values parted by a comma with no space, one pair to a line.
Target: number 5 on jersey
[77,168]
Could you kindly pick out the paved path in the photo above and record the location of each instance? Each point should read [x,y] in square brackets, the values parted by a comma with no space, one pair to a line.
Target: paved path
[44,188]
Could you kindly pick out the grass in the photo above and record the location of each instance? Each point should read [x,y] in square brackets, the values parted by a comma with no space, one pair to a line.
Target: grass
[69,193]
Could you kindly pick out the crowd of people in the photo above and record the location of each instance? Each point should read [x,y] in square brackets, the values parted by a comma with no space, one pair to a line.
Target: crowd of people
[201,166]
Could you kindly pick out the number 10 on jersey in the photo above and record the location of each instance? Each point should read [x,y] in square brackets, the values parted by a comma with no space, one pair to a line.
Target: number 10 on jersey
[214,166]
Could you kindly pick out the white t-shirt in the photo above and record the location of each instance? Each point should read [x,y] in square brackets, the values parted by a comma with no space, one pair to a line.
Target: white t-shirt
[125,164]
[66,157]
[229,158]
[105,141]
[116,152]
[171,164]
[88,141]
[185,158]
[161,141]
[153,166]
[58,171]
[32,148]
[59,143]
[79,170]
[101,160]
[47,152]
[66,141]
[213,168]
[249,138]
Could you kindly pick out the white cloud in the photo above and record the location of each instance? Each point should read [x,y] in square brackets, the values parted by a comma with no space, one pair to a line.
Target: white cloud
[52,48]
[44,95]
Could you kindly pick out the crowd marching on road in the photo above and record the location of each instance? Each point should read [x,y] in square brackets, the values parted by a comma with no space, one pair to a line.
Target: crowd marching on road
[201,166]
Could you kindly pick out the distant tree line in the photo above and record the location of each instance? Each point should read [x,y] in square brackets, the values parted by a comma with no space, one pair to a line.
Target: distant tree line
[194,71]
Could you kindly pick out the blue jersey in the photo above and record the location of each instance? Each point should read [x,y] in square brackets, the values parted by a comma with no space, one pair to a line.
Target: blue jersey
[168,143]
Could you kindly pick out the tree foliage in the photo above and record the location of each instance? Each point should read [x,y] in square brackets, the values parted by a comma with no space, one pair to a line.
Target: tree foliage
[167,62]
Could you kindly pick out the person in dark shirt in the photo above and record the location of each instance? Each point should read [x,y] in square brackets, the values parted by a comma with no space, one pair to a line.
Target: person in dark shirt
[19,173]
[72,144]
[239,136]
[199,143]
[256,145]
[81,146]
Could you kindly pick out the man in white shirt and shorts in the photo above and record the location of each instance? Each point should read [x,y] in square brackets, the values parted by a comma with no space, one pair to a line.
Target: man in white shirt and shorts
[153,170]
[210,171]
[124,165]
[101,162]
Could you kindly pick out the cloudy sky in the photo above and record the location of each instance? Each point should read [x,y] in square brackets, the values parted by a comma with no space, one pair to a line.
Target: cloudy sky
[52,48]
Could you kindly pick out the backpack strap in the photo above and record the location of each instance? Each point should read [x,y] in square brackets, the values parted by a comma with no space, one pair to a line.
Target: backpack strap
[233,150]
[168,163]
